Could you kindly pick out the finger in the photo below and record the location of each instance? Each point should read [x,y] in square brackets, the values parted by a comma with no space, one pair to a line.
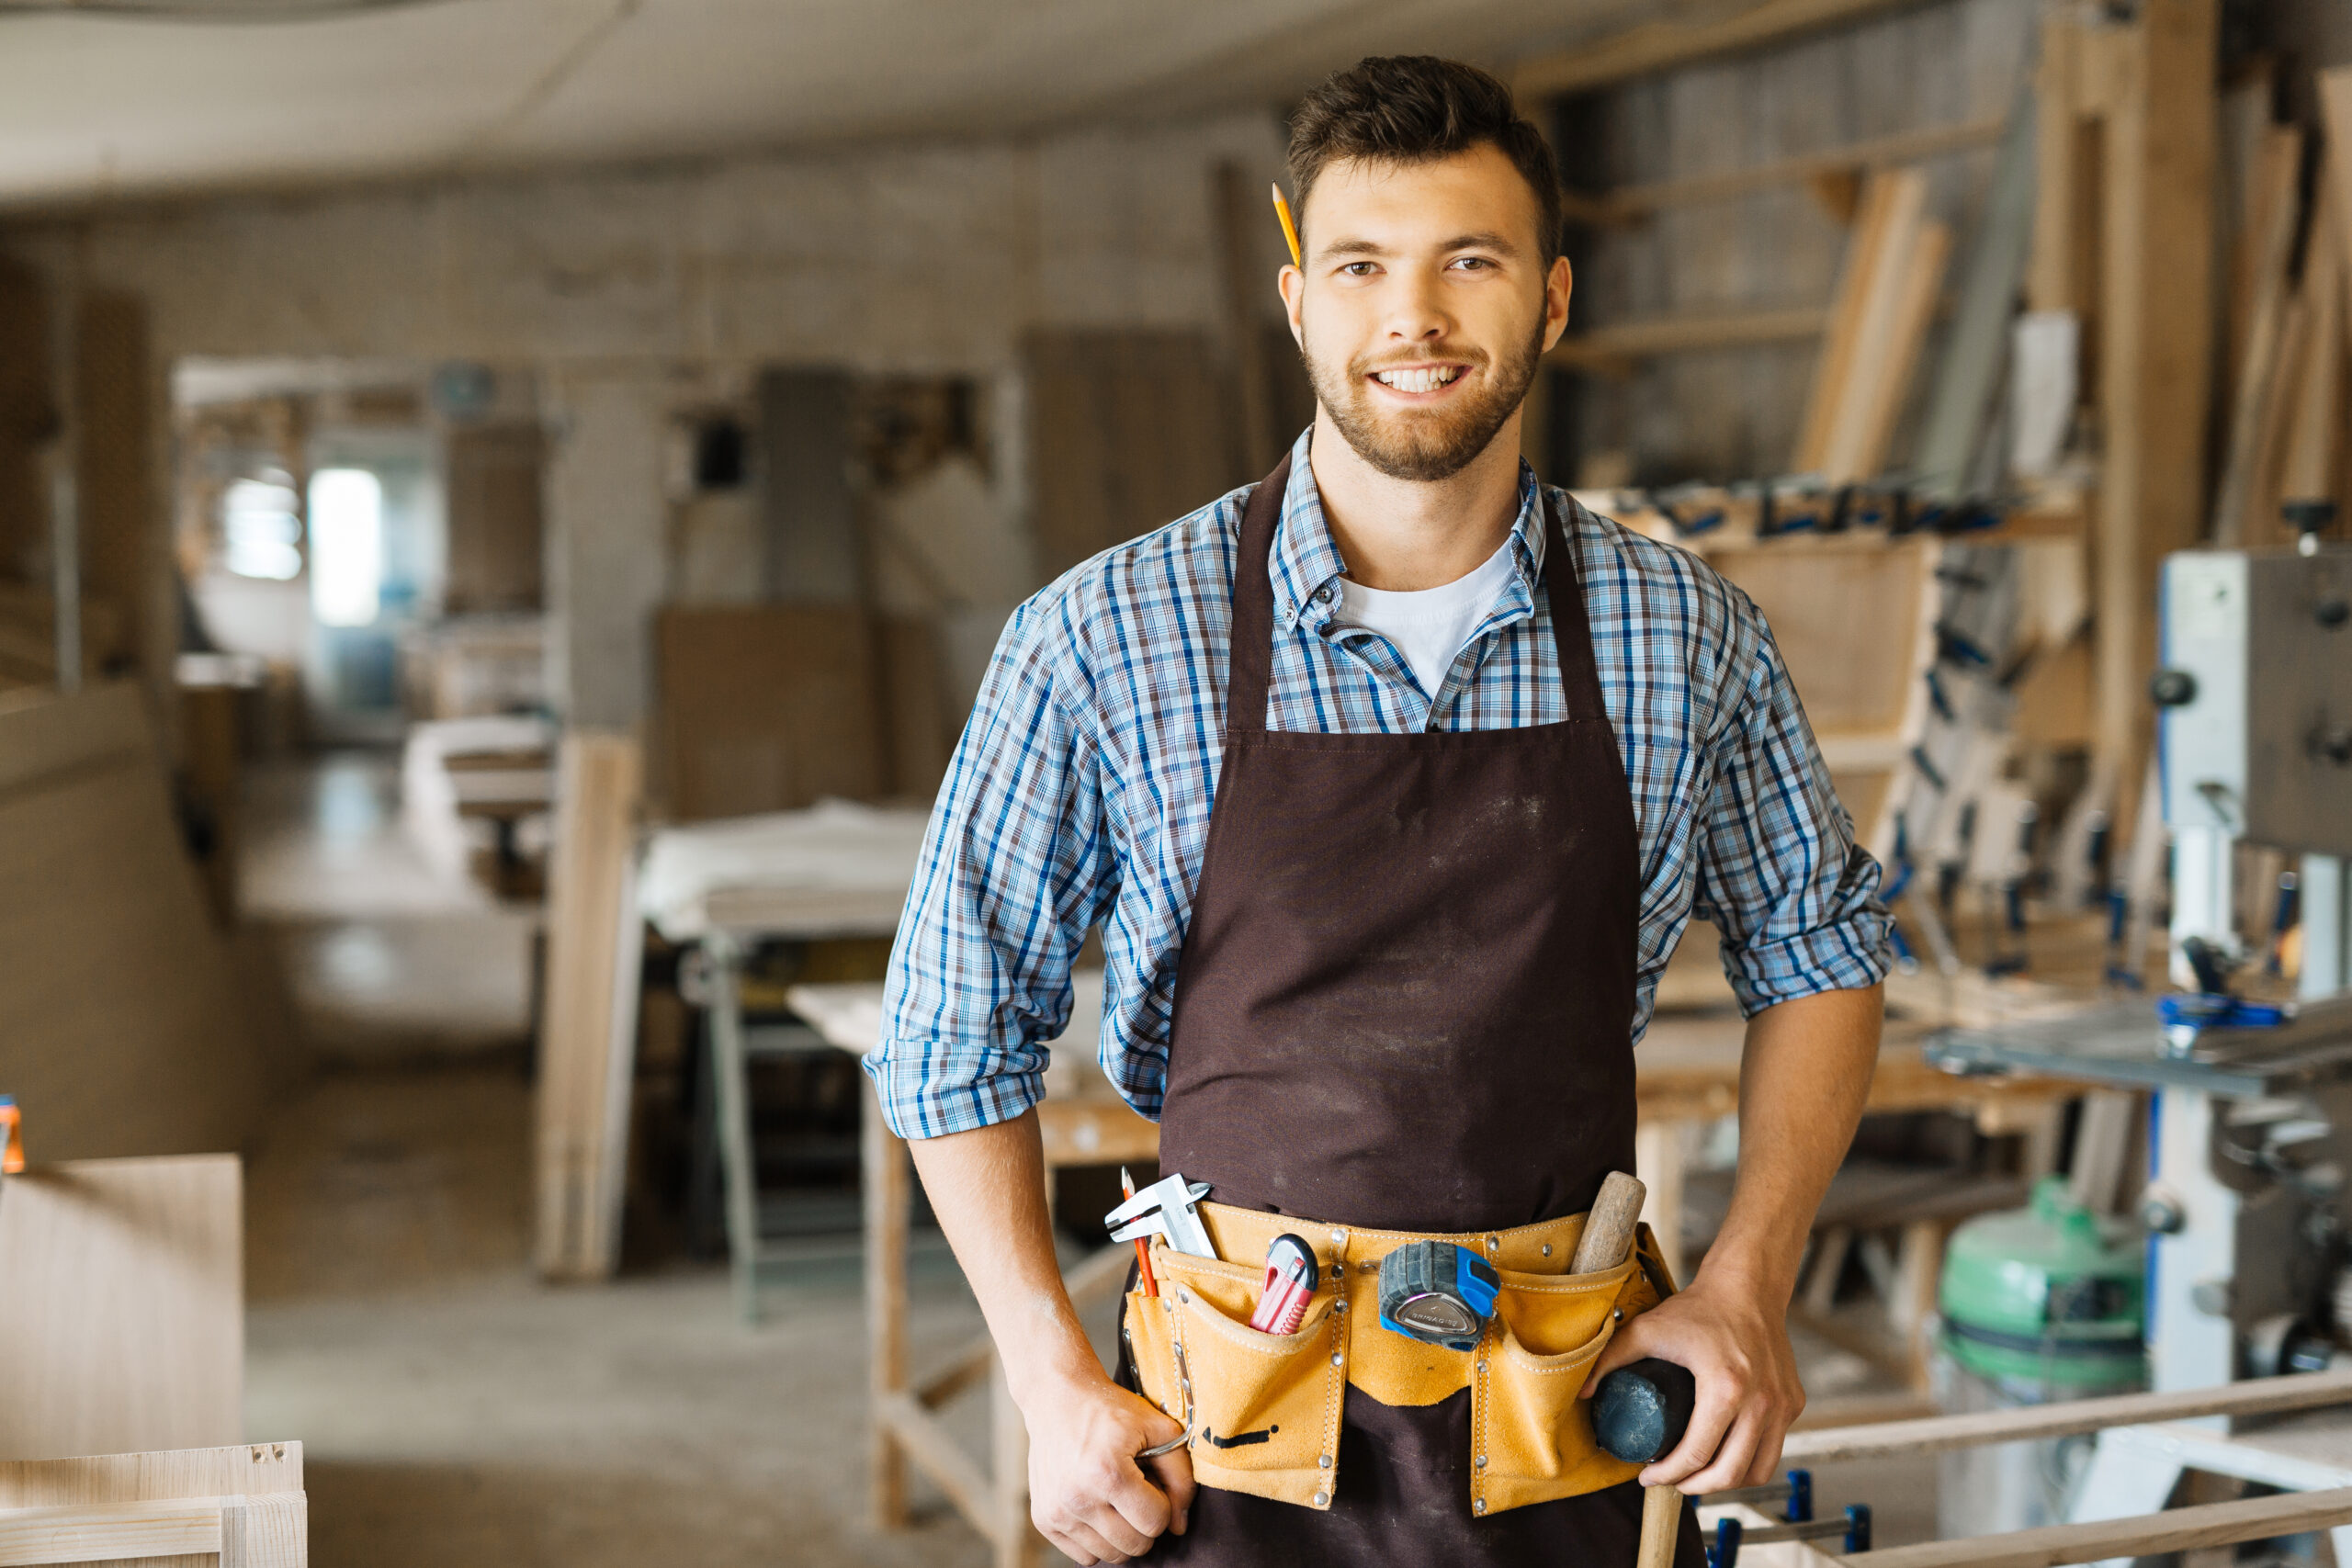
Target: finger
[1134,1504]
[1731,1463]
[1711,1417]
[1121,1533]
[1173,1473]
[1772,1433]
[1081,1545]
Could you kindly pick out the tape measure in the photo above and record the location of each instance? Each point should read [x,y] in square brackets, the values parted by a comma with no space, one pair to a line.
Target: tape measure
[1437,1293]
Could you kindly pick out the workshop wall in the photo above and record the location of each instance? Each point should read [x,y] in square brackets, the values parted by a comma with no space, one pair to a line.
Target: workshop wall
[640,294]
[1726,413]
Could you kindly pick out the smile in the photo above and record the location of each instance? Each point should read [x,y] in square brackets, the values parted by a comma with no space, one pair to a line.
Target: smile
[1417,377]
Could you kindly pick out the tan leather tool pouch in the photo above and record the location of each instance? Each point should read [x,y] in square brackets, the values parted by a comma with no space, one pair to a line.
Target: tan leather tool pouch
[1263,1411]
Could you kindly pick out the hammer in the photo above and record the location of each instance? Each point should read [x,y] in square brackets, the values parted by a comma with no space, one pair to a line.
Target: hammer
[1640,1411]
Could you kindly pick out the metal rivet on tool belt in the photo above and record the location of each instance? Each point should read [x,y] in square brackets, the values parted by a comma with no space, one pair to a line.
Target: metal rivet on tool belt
[1482,1366]
[1339,1306]
[1480,1504]
[1547,1249]
[1336,1358]
[1617,1315]
[1324,1460]
[1493,1244]
[1482,1462]
[1322,1499]
[1339,1238]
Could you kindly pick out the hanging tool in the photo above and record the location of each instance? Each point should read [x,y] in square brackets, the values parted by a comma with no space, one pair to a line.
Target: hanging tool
[1291,1277]
[1165,1208]
[1143,1245]
[1853,1527]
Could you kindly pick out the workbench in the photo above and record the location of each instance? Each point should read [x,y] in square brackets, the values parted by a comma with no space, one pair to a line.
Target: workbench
[1687,1074]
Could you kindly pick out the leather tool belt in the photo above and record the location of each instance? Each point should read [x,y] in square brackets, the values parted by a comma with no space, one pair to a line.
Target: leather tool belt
[1262,1412]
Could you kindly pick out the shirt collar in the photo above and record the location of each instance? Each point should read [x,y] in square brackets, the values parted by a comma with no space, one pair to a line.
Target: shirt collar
[1307,566]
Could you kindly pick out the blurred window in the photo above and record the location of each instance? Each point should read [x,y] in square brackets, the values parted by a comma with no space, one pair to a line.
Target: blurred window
[346,547]
[260,533]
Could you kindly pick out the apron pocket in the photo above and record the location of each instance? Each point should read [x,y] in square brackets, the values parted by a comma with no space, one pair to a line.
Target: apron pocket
[1264,1407]
[1530,1431]
[1145,1324]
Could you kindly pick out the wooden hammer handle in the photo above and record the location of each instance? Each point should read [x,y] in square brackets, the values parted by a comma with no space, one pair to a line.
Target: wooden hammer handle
[1609,1229]
[1607,1241]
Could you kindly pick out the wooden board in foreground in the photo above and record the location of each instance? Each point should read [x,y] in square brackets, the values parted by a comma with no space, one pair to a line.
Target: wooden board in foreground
[123,1324]
[588,1020]
[243,1505]
[125,1034]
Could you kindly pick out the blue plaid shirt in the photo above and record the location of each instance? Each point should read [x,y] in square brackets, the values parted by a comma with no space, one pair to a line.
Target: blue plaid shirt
[1079,793]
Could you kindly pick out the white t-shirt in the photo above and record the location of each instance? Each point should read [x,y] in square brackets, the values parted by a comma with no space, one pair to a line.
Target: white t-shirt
[1428,626]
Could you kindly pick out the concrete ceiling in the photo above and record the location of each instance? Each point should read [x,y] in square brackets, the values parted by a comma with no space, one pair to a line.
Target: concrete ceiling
[103,105]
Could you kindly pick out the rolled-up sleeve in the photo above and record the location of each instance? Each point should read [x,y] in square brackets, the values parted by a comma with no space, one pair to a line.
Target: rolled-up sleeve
[1780,873]
[1014,869]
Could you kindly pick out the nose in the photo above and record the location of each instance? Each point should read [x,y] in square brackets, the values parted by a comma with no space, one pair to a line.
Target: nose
[1416,313]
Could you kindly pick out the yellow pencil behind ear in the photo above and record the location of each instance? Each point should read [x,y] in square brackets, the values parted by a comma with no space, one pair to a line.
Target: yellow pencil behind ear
[1289,230]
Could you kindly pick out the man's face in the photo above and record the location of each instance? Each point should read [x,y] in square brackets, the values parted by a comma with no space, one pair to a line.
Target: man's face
[1423,306]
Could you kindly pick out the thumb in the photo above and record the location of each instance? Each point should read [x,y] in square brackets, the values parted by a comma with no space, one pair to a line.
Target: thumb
[1628,1345]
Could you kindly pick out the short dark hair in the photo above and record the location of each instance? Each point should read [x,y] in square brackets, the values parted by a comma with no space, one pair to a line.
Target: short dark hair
[1412,109]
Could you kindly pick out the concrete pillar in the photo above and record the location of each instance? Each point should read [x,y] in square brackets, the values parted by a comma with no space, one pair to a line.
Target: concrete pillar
[605,527]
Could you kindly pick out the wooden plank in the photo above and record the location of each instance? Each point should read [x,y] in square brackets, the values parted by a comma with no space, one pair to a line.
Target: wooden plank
[2176,1529]
[588,1020]
[1862,442]
[271,1531]
[767,707]
[2054,269]
[2310,467]
[109,1532]
[1241,214]
[1661,46]
[122,1326]
[2154,354]
[1630,204]
[2254,413]
[1127,434]
[96,886]
[2302,1391]
[1968,380]
[120,521]
[1624,340]
[947,1467]
[887,1185]
[242,1468]
[2336,111]
[1846,616]
[496,536]
[1870,290]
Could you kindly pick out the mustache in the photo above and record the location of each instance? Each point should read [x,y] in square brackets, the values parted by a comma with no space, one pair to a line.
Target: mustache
[1363,365]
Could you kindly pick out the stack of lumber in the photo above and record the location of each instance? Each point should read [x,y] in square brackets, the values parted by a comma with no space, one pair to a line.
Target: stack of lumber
[122,1326]
[588,1020]
[242,1505]
[1886,297]
[2288,333]
[125,1033]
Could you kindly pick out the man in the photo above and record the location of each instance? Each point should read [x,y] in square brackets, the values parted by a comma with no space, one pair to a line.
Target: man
[1391,784]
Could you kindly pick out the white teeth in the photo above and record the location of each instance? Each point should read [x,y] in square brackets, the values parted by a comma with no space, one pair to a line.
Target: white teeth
[1423,380]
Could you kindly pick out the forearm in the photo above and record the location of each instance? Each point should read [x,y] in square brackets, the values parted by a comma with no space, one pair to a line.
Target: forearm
[1804,1075]
[988,1188]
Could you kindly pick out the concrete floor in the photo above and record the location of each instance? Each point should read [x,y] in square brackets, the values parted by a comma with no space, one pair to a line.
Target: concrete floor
[455,1410]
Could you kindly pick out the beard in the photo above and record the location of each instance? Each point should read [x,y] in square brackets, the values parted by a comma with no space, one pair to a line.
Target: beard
[1417,443]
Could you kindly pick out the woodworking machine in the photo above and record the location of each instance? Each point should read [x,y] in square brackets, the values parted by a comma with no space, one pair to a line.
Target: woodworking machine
[2250,1129]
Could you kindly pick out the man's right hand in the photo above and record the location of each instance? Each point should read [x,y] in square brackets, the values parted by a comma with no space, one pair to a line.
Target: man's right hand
[1088,1492]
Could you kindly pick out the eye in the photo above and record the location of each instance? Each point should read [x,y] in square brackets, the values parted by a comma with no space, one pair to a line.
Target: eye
[1478,264]
[1356,269]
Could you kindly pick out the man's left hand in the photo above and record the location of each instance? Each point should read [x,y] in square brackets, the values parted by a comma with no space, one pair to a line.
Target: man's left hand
[1735,1340]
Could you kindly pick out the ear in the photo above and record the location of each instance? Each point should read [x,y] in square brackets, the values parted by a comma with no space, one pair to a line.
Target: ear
[1557,290]
[1293,283]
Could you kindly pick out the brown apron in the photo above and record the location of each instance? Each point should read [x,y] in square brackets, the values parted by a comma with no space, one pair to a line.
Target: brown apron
[1406,1002]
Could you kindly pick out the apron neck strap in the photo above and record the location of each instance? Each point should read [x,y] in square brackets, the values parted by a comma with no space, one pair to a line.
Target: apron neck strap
[1250,668]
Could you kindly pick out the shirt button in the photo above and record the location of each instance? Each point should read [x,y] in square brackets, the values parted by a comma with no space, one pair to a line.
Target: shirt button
[1323,594]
